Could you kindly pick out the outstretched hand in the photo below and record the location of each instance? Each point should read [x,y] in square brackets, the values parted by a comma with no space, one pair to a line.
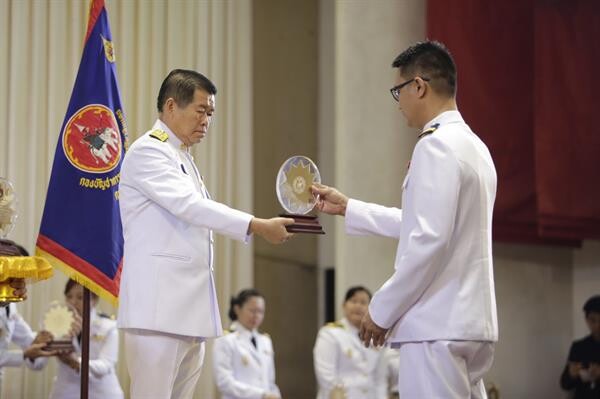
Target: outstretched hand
[43,337]
[273,230]
[70,360]
[36,350]
[330,201]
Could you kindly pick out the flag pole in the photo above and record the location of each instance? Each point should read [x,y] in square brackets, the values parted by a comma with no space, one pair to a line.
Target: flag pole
[85,345]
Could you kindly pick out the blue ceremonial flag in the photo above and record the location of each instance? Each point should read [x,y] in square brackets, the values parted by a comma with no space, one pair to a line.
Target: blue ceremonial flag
[81,229]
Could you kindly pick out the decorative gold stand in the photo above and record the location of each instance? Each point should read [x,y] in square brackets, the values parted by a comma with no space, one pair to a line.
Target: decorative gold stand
[30,268]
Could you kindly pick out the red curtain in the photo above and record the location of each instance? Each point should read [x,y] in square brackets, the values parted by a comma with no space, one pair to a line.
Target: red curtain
[527,73]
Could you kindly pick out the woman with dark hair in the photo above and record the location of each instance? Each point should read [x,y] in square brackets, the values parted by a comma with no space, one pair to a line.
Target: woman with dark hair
[104,352]
[343,366]
[243,359]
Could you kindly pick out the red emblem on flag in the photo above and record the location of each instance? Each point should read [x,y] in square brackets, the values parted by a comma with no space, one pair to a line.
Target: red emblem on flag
[91,140]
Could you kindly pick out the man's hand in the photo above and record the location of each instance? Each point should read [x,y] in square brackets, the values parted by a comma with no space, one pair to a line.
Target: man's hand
[43,337]
[70,360]
[273,230]
[371,331]
[19,287]
[37,350]
[574,369]
[331,201]
[271,396]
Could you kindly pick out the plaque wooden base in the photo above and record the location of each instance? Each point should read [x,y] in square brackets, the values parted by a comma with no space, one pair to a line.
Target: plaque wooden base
[306,224]
[59,345]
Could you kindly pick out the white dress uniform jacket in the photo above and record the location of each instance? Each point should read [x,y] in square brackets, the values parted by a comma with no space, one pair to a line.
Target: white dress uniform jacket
[104,352]
[342,361]
[241,370]
[167,282]
[442,287]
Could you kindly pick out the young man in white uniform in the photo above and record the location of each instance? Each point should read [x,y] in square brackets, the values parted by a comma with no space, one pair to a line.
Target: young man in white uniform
[439,306]
[168,304]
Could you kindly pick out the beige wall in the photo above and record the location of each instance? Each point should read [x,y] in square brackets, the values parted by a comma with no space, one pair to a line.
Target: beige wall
[285,124]
[534,294]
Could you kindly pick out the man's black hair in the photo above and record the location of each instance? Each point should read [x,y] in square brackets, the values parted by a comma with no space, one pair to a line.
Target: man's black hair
[430,60]
[181,84]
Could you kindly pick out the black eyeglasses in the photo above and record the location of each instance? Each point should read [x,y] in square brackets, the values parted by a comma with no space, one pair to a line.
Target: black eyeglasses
[396,89]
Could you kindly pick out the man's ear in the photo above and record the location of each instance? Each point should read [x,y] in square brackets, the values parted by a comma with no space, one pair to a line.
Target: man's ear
[169,105]
[421,87]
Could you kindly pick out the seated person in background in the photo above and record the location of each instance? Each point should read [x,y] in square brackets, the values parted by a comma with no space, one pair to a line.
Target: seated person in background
[104,352]
[343,366]
[582,372]
[13,329]
[243,360]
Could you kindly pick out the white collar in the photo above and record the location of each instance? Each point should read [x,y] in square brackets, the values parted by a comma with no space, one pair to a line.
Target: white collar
[445,117]
[173,139]
[348,326]
[240,329]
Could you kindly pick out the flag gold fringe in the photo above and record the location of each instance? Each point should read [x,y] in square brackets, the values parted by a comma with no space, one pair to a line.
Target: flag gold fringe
[79,277]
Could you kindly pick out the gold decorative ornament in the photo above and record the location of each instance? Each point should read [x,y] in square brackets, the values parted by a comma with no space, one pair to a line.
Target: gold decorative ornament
[12,264]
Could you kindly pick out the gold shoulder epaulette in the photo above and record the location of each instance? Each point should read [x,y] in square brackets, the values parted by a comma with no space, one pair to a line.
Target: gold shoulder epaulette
[432,129]
[160,135]
[335,324]
[225,332]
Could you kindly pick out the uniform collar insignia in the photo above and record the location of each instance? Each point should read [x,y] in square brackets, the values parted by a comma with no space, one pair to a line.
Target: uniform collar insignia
[160,135]
[430,130]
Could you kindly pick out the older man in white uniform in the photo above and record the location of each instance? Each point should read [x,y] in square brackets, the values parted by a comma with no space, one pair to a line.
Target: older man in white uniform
[168,304]
[439,305]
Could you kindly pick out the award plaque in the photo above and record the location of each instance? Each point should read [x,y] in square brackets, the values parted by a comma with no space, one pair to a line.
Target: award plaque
[58,321]
[294,179]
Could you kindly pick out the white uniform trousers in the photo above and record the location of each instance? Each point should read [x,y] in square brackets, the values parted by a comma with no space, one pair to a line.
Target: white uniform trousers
[162,366]
[444,369]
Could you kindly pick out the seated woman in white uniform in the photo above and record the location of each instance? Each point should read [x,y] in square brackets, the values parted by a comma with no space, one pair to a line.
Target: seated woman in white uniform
[243,359]
[15,331]
[343,366]
[104,352]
